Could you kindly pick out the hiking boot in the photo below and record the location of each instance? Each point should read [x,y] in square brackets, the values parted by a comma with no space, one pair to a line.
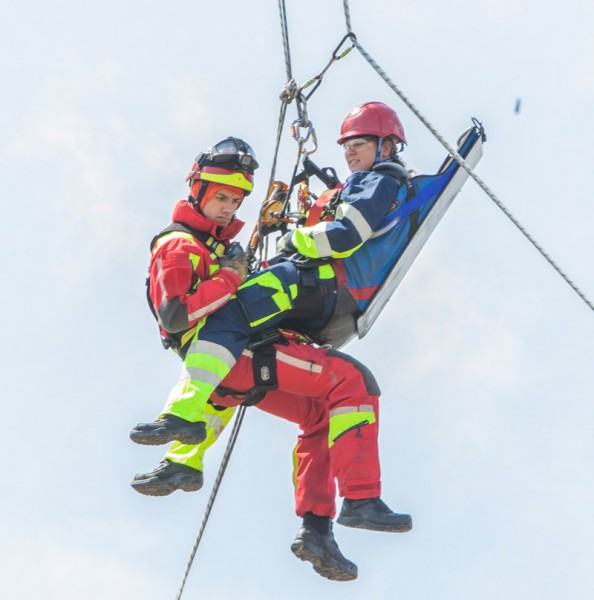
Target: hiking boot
[323,553]
[169,428]
[373,514]
[167,478]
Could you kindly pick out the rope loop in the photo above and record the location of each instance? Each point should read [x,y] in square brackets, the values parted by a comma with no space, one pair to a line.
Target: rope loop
[289,92]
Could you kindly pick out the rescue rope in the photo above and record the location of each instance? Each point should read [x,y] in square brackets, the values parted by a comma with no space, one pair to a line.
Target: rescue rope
[285,33]
[213,494]
[286,97]
[289,92]
[458,158]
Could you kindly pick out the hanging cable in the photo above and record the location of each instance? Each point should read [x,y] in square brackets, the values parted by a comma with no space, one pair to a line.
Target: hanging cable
[458,158]
[213,494]
[286,96]
[289,91]
[285,33]
[279,131]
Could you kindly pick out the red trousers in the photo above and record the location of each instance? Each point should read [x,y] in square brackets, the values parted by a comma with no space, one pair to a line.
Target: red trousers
[334,400]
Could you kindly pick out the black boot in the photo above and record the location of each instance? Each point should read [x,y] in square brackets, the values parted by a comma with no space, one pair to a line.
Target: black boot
[322,551]
[373,514]
[169,428]
[167,478]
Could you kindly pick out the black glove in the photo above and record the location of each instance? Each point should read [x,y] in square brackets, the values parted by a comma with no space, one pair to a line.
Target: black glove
[235,259]
[284,244]
[393,170]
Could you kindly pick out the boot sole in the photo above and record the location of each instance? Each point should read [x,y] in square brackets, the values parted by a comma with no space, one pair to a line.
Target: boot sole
[331,572]
[156,487]
[158,439]
[403,527]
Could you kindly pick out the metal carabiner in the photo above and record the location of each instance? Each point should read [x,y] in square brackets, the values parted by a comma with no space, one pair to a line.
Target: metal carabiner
[314,139]
[296,126]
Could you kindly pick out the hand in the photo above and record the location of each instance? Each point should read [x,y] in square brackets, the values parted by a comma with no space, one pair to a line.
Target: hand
[393,170]
[240,269]
[236,260]
[284,245]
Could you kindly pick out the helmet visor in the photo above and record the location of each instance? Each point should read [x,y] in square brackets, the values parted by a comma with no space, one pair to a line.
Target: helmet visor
[233,153]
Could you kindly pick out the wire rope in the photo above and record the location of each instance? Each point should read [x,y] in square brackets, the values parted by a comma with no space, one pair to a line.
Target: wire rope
[286,98]
[215,488]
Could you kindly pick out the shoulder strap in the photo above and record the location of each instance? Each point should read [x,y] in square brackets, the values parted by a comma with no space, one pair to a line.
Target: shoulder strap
[208,240]
[322,208]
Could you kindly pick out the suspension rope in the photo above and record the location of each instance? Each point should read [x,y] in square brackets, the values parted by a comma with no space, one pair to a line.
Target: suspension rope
[459,158]
[288,94]
[279,131]
[285,33]
[213,494]
[289,91]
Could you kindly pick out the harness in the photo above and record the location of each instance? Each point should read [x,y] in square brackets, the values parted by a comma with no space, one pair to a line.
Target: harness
[263,368]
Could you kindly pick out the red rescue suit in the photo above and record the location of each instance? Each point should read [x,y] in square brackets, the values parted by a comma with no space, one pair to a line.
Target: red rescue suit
[334,400]
[186,283]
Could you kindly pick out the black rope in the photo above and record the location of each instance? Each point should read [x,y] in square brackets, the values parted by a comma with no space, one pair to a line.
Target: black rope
[459,159]
[213,494]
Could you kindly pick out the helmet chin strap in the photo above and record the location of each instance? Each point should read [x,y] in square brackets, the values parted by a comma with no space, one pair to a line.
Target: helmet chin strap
[195,202]
[380,142]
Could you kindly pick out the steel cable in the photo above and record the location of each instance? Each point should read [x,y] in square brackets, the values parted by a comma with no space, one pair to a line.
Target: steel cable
[286,98]
[213,495]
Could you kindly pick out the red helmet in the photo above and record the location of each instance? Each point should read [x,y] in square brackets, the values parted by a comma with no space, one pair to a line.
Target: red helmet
[372,118]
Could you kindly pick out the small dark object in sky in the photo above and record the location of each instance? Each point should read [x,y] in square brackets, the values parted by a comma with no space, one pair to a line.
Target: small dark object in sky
[518,105]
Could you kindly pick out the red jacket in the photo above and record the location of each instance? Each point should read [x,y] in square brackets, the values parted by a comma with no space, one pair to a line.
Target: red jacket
[186,283]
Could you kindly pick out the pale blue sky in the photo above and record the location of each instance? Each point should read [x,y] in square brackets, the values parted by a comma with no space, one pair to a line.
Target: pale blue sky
[484,354]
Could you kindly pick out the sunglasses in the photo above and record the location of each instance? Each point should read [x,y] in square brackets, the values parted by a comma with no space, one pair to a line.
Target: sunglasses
[357,143]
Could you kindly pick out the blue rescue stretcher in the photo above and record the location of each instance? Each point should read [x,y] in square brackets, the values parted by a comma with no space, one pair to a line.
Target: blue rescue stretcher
[388,255]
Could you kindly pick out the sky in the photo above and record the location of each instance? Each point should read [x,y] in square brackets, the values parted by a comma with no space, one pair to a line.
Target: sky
[484,354]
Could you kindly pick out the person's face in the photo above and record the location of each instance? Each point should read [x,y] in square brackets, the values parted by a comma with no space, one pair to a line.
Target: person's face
[360,152]
[222,206]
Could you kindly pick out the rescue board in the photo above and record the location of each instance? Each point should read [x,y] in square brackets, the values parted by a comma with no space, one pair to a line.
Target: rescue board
[448,181]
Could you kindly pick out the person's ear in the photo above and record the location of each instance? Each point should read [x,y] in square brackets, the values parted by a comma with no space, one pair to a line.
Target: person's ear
[386,150]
